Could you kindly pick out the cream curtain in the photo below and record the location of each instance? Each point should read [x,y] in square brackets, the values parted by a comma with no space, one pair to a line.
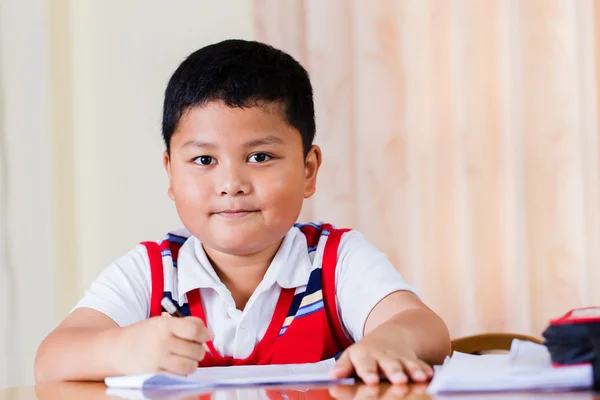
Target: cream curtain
[461,137]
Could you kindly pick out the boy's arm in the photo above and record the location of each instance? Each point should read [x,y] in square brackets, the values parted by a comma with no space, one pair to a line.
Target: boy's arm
[395,333]
[78,349]
[402,336]
[109,332]
[90,346]
[403,317]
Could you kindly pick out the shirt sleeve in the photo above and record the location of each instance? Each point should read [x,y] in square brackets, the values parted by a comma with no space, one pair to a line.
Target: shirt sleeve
[364,276]
[122,290]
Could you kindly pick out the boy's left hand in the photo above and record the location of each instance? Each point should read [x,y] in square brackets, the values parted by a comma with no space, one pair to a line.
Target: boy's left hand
[373,356]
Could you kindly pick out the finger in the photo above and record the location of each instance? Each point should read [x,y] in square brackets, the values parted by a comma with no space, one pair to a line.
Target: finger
[343,367]
[190,328]
[179,365]
[365,366]
[414,370]
[184,348]
[393,370]
[427,369]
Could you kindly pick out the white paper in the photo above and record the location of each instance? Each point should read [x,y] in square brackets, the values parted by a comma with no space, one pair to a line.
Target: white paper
[231,377]
[526,367]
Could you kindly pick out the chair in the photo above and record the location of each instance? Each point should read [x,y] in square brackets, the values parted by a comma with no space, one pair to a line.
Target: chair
[489,343]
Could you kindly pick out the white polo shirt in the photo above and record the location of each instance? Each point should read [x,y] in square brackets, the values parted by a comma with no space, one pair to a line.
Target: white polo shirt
[364,276]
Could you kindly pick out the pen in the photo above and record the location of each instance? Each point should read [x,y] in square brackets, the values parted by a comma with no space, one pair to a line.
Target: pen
[173,310]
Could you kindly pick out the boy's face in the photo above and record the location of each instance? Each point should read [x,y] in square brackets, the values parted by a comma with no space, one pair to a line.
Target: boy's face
[238,176]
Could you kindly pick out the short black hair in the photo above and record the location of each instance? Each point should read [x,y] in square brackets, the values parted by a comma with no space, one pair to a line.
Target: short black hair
[241,73]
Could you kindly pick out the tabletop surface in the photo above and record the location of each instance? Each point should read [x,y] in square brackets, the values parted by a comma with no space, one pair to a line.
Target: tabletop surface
[412,392]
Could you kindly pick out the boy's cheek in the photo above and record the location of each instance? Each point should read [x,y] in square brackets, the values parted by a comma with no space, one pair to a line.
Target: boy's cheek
[191,190]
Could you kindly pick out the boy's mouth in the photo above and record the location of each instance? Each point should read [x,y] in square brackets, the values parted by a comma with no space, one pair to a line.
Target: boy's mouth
[237,213]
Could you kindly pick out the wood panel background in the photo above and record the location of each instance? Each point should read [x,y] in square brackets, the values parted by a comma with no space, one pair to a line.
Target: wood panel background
[461,137]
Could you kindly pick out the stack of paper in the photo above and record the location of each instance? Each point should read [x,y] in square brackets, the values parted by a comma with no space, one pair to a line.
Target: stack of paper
[526,367]
[221,377]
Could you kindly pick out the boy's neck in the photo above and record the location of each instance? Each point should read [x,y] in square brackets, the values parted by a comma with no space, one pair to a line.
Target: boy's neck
[241,275]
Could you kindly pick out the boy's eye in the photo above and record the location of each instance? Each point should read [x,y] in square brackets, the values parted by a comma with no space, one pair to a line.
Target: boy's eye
[259,157]
[204,160]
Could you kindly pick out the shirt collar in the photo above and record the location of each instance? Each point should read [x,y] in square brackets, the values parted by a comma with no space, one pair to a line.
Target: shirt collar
[290,267]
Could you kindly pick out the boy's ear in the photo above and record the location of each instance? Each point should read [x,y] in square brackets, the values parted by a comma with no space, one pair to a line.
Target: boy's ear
[167,165]
[312,163]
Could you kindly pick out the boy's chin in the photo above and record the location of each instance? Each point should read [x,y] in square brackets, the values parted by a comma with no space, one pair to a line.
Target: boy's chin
[241,249]
[242,243]
[239,243]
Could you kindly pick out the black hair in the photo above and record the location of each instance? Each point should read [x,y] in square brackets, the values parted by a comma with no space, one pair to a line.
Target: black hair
[241,73]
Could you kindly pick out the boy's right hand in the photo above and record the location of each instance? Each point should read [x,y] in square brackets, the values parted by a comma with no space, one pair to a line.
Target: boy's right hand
[162,344]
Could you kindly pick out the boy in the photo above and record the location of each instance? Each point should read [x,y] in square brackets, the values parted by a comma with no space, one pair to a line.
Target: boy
[238,125]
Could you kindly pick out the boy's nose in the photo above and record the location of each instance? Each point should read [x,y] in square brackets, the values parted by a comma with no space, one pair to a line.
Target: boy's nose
[232,191]
[233,183]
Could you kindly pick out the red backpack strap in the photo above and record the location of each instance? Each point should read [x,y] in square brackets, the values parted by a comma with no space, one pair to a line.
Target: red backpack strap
[329,264]
[157,277]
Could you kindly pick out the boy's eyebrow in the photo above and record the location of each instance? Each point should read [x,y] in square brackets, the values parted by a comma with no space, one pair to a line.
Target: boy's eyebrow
[264,140]
[198,143]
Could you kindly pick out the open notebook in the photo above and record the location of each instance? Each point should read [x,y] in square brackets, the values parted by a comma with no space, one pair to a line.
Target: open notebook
[216,377]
